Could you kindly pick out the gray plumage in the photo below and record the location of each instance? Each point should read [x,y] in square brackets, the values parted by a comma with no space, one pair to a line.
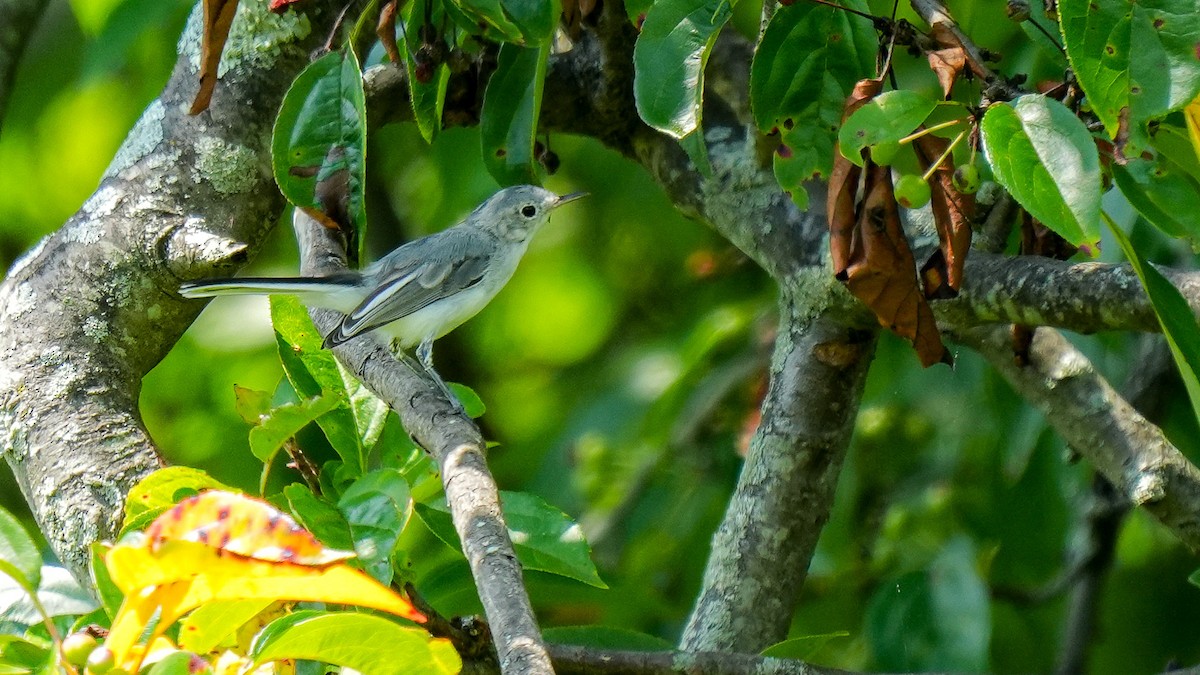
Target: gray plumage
[427,287]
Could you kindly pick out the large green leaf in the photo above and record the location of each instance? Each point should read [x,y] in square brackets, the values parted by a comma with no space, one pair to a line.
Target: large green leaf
[806,65]
[1134,59]
[1164,194]
[1042,154]
[509,118]
[428,97]
[669,59]
[377,507]
[58,595]
[318,148]
[888,117]
[19,557]
[935,619]
[1174,315]
[355,423]
[545,538]
[364,642]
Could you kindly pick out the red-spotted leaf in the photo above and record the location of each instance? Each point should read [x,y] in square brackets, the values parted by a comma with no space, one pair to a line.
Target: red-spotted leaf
[243,526]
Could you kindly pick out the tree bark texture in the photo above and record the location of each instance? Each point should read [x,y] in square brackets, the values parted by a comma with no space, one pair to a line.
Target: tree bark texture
[94,306]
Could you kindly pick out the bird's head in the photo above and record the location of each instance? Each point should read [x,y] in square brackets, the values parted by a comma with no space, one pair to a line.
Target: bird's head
[515,213]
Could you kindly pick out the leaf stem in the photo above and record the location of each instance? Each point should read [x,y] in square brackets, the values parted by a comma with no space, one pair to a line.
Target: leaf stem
[834,5]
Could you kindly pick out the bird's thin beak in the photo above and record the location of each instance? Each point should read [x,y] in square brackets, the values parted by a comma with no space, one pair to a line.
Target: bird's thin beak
[565,199]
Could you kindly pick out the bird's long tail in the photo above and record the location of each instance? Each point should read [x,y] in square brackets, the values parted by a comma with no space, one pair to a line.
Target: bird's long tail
[341,292]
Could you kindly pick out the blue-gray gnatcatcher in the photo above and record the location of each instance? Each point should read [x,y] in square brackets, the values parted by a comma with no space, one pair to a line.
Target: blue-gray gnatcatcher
[427,287]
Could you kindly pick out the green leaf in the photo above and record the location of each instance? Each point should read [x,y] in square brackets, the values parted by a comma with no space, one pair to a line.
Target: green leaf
[428,98]
[606,637]
[320,139]
[364,642]
[377,507]
[938,619]
[58,593]
[805,66]
[19,557]
[509,119]
[536,19]
[214,622]
[1042,154]
[669,60]
[1164,194]
[175,663]
[319,516]
[1194,578]
[1133,59]
[111,597]
[888,117]
[1173,142]
[25,654]
[1174,315]
[470,400]
[545,538]
[802,648]
[284,422]
[354,425]
[485,17]
[163,489]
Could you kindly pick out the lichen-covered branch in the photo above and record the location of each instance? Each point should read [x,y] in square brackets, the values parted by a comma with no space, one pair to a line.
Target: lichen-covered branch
[457,445]
[17,21]
[761,551]
[1101,426]
[94,306]
[572,660]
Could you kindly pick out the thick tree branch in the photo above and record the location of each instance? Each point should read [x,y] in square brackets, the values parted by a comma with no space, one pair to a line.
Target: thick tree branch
[459,449]
[572,660]
[94,306]
[1096,422]
[17,21]
[763,547]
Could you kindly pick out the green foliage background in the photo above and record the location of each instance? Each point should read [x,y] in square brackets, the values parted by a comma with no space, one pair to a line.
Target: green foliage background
[620,368]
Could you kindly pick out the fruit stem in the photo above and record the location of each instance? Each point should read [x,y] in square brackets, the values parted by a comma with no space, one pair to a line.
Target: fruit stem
[928,130]
[949,148]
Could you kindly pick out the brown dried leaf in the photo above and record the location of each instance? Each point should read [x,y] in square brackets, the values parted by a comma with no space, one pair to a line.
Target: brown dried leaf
[843,184]
[218,17]
[881,271]
[386,30]
[947,64]
[953,213]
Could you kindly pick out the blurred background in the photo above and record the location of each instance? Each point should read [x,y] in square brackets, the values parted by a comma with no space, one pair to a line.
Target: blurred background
[622,368]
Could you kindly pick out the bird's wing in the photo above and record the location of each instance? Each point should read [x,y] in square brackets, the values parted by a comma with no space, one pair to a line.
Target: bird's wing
[407,283]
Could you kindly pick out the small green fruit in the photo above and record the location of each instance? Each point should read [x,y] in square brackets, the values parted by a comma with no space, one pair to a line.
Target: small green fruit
[912,192]
[101,661]
[884,152]
[966,179]
[77,647]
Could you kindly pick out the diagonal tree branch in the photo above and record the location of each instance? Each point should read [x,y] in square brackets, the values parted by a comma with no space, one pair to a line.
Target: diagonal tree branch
[1096,422]
[94,306]
[460,451]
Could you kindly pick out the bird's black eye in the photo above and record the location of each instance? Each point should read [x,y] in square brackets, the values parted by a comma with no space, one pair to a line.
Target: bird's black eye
[529,210]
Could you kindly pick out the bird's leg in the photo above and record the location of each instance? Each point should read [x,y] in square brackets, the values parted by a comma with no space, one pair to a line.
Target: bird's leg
[424,354]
